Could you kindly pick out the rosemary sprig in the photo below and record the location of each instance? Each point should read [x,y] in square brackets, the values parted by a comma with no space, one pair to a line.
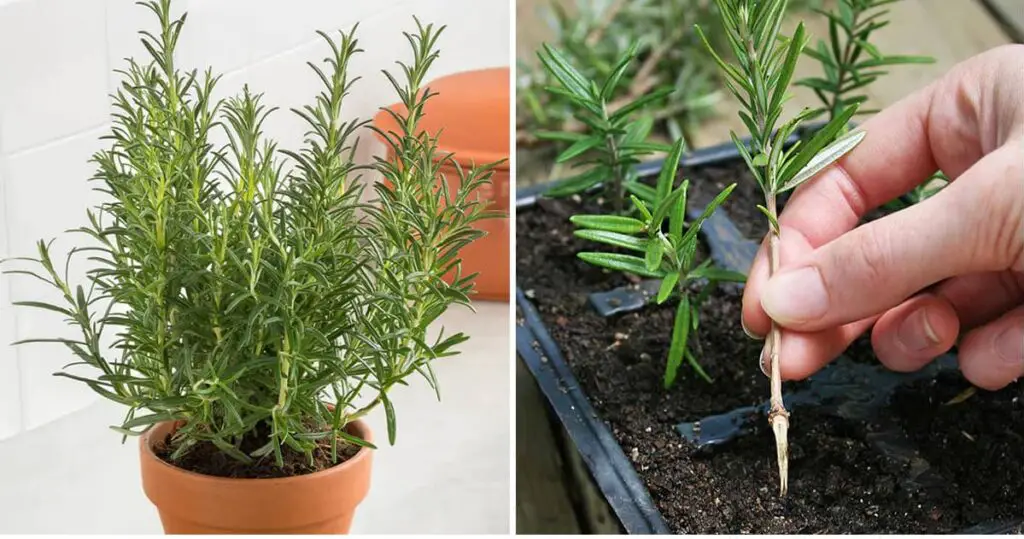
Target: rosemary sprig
[849,61]
[612,141]
[664,252]
[760,78]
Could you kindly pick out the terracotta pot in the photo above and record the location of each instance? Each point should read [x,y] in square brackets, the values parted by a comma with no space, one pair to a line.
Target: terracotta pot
[471,112]
[192,503]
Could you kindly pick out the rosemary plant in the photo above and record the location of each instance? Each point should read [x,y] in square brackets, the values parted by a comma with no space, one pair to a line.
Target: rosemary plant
[849,61]
[668,253]
[243,289]
[760,79]
[595,34]
[612,142]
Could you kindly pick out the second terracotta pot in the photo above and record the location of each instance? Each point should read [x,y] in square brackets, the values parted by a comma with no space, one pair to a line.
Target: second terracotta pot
[192,503]
[470,117]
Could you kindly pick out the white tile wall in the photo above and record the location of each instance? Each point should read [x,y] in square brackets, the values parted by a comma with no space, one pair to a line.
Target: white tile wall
[10,384]
[53,70]
[56,62]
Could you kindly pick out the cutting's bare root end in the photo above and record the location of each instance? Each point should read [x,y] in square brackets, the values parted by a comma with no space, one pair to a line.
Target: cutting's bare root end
[779,420]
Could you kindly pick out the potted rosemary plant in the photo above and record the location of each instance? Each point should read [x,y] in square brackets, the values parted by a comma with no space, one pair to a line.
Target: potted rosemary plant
[257,310]
[868,450]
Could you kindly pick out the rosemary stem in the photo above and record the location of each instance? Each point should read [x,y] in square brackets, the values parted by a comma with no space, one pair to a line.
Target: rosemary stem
[362,411]
[619,182]
[778,416]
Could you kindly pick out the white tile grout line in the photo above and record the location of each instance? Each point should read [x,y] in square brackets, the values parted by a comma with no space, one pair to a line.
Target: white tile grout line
[59,140]
[107,51]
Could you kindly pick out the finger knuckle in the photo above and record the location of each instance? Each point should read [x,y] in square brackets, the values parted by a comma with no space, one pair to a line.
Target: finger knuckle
[1002,214]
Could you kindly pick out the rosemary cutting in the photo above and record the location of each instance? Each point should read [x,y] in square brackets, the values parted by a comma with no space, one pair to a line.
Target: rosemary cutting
[760,78]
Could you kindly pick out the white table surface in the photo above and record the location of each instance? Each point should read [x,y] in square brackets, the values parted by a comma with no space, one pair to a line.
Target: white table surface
[75,476]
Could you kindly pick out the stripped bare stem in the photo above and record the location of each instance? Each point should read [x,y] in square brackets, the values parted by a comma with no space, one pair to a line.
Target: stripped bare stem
[778,416]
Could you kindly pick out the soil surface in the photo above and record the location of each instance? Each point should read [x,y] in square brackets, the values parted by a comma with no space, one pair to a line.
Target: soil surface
[207,459]
[839,481]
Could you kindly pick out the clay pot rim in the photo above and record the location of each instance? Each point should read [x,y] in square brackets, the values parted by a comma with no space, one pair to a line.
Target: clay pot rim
[359,425]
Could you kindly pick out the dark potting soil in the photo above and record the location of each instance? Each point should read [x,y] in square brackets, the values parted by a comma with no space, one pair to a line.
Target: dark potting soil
[978,444]
[741,206]
[839,481]
[205,458]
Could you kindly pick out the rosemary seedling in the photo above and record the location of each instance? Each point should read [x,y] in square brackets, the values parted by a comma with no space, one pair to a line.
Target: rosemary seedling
[613,141]
[666,252]
[849,61]
[243,289]
[760,79]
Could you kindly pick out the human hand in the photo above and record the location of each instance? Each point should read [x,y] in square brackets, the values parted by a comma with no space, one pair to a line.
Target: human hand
[953,263]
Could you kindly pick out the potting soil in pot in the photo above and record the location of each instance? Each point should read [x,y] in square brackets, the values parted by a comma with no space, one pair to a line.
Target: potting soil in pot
[205,458]
[840,482]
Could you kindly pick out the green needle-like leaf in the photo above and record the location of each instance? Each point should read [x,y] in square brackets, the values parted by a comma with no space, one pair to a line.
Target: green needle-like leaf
[667,176]
[668,285]
[610,223]
[823,137]
[772,221]
[619,262]
[680,336]
[823,159]
[614,238]
[578,148]
[652,257]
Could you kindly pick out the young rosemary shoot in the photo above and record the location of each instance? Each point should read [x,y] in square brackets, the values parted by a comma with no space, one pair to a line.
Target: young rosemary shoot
[760,79]
[665,252]
[612,141]
[242,287]
[849,61]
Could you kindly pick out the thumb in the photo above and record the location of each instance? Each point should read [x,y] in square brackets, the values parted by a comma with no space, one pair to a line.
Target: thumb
[975,224]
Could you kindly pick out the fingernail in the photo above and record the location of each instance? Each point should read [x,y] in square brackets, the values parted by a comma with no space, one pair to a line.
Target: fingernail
[764,361]
[795,296]
[1010,345]
[749,333]
[916,333]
